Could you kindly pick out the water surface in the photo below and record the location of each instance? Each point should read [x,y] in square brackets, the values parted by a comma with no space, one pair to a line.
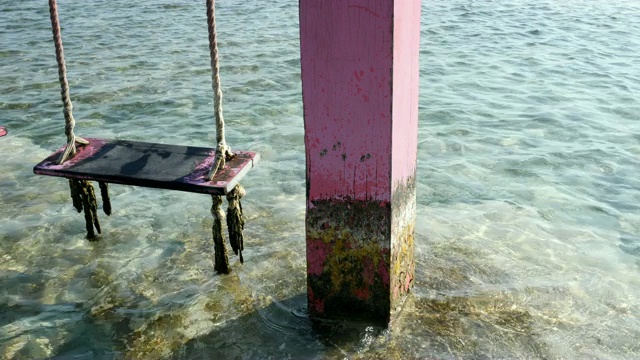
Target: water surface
[528,186]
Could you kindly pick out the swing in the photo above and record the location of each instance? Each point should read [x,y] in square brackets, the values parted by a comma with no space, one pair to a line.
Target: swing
[214,171]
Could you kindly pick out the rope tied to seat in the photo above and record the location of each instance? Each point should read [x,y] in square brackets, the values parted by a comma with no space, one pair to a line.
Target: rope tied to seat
[70,122]
[223,151]
[82,191]
[235,221]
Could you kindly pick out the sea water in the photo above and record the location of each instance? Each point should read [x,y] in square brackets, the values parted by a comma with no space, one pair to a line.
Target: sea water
[528,239]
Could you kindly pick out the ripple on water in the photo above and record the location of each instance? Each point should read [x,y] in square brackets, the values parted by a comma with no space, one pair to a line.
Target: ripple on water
[528,188]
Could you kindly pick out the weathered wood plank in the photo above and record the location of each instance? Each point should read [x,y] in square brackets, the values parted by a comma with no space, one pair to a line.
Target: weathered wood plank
[163,166]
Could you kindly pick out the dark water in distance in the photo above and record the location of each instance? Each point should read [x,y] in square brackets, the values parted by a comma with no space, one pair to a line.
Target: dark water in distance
[528,186]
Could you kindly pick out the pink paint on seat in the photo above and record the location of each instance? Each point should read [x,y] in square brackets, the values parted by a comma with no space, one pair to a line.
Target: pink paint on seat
[163,166]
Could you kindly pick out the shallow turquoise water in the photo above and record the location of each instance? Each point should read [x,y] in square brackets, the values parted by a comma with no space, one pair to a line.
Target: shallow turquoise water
[528,193]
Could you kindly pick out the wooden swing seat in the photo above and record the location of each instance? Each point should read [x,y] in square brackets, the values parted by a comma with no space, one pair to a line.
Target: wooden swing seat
[162,166]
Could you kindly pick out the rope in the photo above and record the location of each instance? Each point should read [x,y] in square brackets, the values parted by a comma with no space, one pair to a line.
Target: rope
[70,122]
[84,198]
[235,221]
[221,260]
[223,151]
[106,201]
[75,194]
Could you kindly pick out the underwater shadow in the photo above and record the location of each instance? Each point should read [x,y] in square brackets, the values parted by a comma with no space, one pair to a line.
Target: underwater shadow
[281,329]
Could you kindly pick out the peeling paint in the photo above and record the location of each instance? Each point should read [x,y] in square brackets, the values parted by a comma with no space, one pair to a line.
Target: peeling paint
[338,56]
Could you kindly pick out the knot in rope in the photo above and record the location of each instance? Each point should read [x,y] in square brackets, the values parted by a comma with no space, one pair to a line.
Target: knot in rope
[223,152]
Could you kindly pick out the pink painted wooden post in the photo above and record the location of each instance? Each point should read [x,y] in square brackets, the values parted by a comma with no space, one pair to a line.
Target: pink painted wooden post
[360,90]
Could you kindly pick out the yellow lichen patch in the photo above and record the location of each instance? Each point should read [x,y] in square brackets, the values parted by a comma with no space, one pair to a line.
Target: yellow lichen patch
[345,264]
[403,264]
[349,257]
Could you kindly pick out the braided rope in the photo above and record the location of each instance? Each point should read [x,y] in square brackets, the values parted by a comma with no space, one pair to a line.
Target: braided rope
[221,260]
[70,122]
[235,220]
[223,152]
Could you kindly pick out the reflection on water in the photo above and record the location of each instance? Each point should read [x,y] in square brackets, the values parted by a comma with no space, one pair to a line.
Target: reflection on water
[528,188]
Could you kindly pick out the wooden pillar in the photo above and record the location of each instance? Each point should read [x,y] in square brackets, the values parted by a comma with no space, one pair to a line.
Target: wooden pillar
[360,89]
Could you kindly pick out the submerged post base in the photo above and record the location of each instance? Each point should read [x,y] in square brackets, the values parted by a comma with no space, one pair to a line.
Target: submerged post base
[348,259]
[360,256]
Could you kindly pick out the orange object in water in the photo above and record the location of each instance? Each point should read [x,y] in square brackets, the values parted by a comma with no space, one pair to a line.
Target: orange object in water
[3,131]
